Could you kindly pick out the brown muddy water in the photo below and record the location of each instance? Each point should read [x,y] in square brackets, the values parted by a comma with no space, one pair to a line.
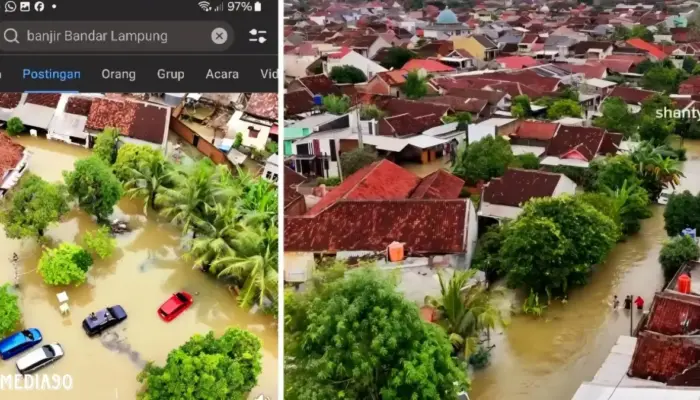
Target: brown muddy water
[144,271]
[549,358]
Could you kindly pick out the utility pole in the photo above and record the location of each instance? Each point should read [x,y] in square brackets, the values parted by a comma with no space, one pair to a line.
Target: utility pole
[631,316]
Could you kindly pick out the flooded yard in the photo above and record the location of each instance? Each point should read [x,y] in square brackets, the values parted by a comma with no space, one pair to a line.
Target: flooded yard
[549,358]
[145,270]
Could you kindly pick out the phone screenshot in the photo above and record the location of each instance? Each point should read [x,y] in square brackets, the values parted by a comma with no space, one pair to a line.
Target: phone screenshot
[138,199]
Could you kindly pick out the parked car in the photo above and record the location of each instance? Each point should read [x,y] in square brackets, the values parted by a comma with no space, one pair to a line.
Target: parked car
[39,358]
[664,196]
[174,306]
[19,342]
[103,319]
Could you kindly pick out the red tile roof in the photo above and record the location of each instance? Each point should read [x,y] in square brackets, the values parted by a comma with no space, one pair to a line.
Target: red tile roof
[150,123]
[590,70]
[394,106]
[611,143]
[78,105]
[425,226]
[517,186]
[381,180]
[669,310]
[10,100]
[342,53]
[263,105]
[648,47]
[319,85]
[431,66]
[399,126]
[298,102]
[586,141]
[439,185]
[659,357]
[112,113]
[292,179]
[631,95]
[517,62]
[458,103]
[10,154]
[536,130]
[44,99]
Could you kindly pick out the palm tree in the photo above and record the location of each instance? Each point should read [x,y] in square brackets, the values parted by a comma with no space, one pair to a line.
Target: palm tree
[148,179]
[416,85]
[259,202]
[218,231]
[254,264]
[465,311]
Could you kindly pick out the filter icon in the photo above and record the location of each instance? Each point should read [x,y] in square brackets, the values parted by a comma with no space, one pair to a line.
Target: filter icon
[257,7]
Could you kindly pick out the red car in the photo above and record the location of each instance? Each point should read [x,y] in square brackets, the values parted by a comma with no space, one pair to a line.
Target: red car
[175,305]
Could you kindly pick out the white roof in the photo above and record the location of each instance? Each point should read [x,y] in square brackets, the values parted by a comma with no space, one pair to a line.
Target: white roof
[591,391]
[194,96]
[599,83]
[314,120]
[520,150]
[496,122]
[441,129]
[67,124]
[554,161]
[385,143]
[34,115]
[424,142]
[570,121]
[341,133]
[236,156]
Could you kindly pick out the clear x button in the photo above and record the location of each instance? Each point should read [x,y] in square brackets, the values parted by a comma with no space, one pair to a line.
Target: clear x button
[219,35]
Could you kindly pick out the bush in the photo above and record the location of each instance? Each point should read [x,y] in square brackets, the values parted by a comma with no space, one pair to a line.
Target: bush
[347,74]
[527,161]
[238,141]
[15,126]
[10,314]
[676,252]
[354,160]
[332,181]
[271,147]
[106,145]
[682,211]
[100,242]
[65,265]
[94,186]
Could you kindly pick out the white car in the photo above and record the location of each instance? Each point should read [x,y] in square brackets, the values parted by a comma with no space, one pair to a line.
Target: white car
[39,358]
[664,196]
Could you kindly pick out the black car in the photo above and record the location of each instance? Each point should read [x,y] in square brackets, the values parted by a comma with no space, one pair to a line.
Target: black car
[104,319]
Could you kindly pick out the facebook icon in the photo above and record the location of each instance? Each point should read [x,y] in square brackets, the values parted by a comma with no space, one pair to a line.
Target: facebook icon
[39,6]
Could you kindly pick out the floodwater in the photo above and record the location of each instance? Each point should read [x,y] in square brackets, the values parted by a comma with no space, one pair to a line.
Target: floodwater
[144,271]
[550,357]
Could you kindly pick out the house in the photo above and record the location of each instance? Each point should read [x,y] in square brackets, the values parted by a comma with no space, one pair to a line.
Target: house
[13,163]
[294,202]
[431,67]
[690,86]
[479,46]
[137,122]
[574,146]
[591,50]
[446,25]
[271,169]
[257,122]
[366,45]
[527,43]
[315,85]
[384,203]
[516,62]
[299,59]
[534,133]
[633,97]
[504,197]
[654,52]
[353,59]
[387,83]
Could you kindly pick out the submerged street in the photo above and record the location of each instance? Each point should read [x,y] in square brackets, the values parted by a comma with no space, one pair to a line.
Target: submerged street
[145,270]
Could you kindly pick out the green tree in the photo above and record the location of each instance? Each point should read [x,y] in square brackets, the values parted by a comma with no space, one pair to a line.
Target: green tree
[663,78]
[689,64]
[644,66]
[371,111]
[461,118]
[676,252]
[564,108]
[655,130]
[397,57]
[64,265]
[465,310]
[238,141]
[520,107]
[253,265]
[686,128]
[128,158]
[100,242]
[14,126]
[206,368]
[682,211]
[526,161]
[641,31]
[614,171]
[359,338]
[631,203]
[94,186]
[655,168]
[616,117]
[219,231]
[603,203]
[10,314]
[148,179]
[656,102]
[337,105]
[554,242]
[480,161]
[106,145]
[416,85]
[696,70]
[347,74]
[487,255]
[356,159]
[620,33]
[34,205]
[569,93]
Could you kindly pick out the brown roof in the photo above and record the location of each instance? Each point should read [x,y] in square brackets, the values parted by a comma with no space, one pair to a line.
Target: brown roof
[424,226]
[611,143]
[362,42]
[319,85]
[292,179]
[78,105]
[395,106]
[263,105]
[10,100]
[459,103]
[537,130]
[112,113]
[517,186]
[583,47]
[586,141]
[150,123]
[438,185]
[10,154]
[381,180]
[659,357]
[399,126]
[298,102]
[44,99]
[492,96]
[631,95]
[669,310]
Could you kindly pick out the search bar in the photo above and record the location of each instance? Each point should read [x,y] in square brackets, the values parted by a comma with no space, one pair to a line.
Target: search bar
[115,36]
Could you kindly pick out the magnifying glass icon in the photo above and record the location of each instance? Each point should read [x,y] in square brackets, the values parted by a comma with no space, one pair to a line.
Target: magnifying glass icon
[11,35]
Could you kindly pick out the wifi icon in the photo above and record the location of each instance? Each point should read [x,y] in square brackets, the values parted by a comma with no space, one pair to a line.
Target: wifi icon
[204,5]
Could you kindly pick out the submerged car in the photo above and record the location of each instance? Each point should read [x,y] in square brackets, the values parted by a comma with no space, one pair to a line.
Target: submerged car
[175,305]
[19,342]
[39,358]
[101,320]
[664,196]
